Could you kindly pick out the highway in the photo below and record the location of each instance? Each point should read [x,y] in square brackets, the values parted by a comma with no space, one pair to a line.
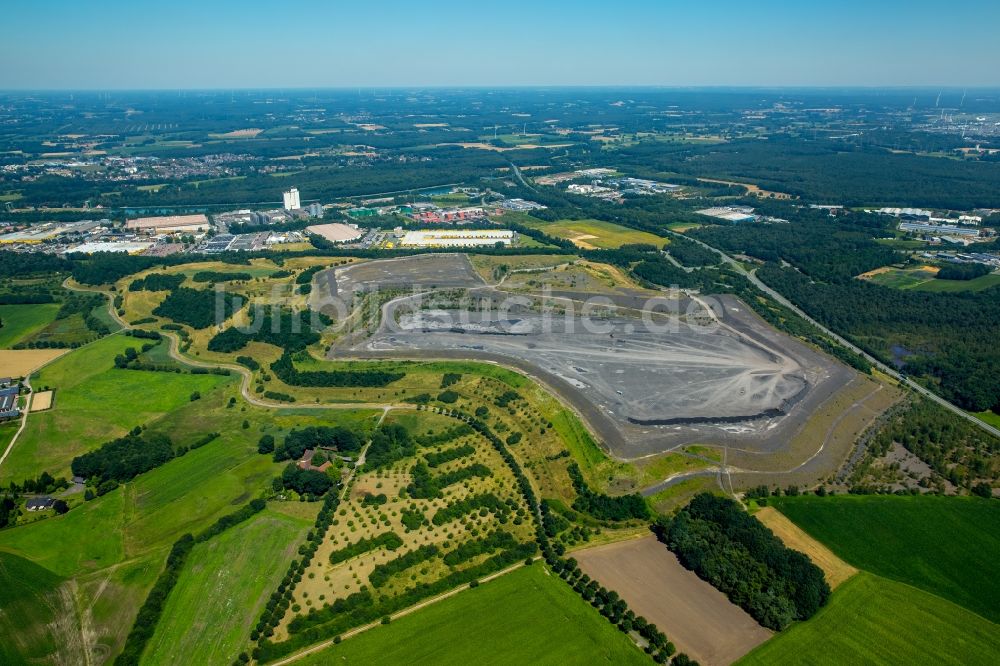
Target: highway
[892,372]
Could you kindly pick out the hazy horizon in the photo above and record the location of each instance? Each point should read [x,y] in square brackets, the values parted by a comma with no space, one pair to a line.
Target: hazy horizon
[304,44]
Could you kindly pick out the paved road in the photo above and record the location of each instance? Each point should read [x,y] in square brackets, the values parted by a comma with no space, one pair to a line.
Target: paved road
[517,174]
[892,372]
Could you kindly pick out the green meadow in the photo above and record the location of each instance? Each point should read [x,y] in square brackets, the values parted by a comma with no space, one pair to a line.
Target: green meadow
[524,617]
[596,233]
[22,321]
[945,545]
[96,403]
[222,590]
[872,620]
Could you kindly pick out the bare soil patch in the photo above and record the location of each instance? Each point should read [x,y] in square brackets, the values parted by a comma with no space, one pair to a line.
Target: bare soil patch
[696,617]
[22,362]
[41,401]
[836,570]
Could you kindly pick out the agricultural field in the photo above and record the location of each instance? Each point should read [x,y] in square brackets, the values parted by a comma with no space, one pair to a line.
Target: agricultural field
[590,234]
[222,588]
[20,322]
[944,545]
[696,617]
[834,569]
[23,362]
[871,620]
[529,616]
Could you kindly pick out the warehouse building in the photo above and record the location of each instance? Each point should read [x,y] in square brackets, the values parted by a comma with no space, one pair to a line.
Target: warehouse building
[170,224]
[457,238]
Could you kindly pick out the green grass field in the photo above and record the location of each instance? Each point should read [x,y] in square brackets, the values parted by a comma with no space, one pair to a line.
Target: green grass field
[96,404]
[990,417]
[524,617]
[903,278]
[977,284]
[222,589]
[23,321]
[595,233]
[945,545]
[871,620]
[30,601]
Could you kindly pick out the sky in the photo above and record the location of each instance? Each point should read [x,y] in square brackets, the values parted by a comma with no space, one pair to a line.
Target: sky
[117,44]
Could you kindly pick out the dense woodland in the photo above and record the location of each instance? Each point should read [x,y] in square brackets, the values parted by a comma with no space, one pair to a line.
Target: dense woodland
[716,538]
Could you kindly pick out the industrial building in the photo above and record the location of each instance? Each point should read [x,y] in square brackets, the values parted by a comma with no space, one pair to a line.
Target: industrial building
[291,199]
[170,224]
[336,232]
[457,238]
[938,229]
[39,233]
[521,205]
[730,213]
[129,247]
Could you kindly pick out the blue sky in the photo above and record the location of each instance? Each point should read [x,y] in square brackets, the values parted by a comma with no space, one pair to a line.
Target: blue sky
[106,44]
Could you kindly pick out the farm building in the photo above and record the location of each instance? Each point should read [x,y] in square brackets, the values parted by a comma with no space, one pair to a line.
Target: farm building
[39,503]
[8,402]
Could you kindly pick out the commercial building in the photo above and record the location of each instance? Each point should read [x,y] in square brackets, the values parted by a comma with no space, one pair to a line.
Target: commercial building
[457,238]
[170,224]
[291,199]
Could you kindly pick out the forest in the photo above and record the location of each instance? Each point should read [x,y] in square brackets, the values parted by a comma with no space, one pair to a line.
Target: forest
[198,308]
[124,458]
[718,540]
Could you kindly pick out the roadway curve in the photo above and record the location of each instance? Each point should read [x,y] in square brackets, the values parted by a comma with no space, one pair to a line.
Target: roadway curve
[892,372]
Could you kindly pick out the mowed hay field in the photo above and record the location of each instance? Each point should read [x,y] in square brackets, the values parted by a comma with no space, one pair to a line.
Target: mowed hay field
[22,362]
[21,321]
[695,616]
[525,617]
[589,234]
[834,568]
[222,589]
[872,620]
[945,545]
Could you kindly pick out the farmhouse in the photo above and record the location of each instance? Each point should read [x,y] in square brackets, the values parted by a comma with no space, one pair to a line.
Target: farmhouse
[8,402]
[39,503]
